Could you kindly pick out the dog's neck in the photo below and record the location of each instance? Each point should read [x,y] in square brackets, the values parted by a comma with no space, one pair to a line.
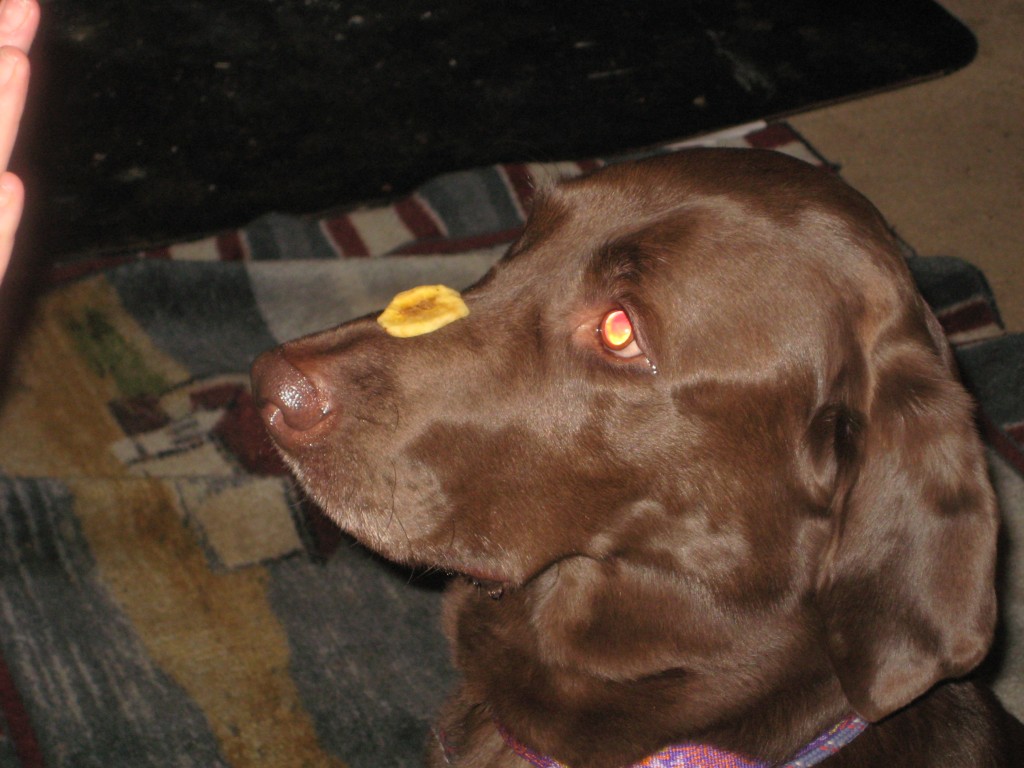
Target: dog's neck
[690,755]
[506,661]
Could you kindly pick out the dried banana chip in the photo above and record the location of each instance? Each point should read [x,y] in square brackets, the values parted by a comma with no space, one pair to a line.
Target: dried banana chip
[422,310]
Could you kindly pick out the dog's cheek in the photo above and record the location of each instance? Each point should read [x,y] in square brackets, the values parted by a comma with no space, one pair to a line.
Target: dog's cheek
[512,501]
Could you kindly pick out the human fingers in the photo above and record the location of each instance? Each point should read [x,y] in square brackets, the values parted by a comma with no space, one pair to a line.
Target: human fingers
[12,199]
[19,20]
[14,74]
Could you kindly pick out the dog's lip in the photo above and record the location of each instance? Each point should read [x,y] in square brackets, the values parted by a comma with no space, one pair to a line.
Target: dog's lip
[488,580]
[489,577]
[494,589]
[481,577]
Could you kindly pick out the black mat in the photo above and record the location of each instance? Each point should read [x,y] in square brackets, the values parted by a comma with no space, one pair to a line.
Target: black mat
[158,121]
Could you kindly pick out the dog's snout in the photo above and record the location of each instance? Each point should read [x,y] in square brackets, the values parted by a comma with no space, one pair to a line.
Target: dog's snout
[289,401]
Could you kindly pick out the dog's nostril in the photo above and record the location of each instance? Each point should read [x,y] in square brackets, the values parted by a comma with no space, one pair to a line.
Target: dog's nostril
[281,388]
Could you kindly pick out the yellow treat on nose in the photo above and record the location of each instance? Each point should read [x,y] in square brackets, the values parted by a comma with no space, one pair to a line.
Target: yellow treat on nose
[422,310]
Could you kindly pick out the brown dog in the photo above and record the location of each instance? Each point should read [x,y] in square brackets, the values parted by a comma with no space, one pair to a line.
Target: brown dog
[748,506]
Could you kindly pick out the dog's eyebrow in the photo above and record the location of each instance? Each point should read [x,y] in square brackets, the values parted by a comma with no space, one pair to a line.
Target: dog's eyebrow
[626,260]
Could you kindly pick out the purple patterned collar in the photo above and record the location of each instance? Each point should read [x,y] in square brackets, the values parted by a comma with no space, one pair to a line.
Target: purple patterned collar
[702,756]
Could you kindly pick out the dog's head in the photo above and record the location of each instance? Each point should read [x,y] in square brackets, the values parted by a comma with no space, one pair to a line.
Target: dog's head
[703,383]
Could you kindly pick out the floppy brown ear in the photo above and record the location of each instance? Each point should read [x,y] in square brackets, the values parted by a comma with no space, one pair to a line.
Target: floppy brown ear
[907,589]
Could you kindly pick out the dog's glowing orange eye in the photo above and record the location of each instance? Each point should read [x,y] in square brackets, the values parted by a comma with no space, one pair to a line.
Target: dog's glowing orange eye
[616,330]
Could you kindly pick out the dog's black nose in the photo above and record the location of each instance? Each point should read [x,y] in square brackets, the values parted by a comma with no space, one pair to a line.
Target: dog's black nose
[289,401]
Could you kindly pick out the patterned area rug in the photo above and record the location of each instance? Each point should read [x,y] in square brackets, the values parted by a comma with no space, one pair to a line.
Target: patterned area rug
[168,599]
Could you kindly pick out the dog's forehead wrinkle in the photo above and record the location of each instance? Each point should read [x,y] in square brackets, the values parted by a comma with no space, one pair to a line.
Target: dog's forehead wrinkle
[631,257]
[528,294]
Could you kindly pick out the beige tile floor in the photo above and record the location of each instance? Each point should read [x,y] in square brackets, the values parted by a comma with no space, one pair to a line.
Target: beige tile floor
[944,159]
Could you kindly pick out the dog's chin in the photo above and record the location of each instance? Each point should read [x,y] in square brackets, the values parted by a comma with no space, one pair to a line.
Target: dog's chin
[392,541]
[397,538]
